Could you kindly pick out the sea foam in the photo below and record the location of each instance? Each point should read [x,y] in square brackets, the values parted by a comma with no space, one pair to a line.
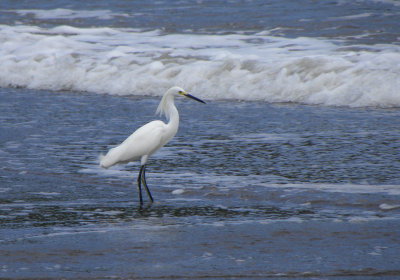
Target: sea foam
[61,13]
[253,67]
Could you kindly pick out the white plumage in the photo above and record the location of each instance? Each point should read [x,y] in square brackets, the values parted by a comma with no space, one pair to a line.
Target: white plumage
[143,142]
[146,140]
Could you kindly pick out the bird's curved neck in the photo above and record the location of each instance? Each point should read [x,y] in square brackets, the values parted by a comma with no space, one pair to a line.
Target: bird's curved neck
[173,118]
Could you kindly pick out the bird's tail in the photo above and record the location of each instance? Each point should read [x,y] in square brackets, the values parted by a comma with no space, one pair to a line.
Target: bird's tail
[112,157]
[103,161]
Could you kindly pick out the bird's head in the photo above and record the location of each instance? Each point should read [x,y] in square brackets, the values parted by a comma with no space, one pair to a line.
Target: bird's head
[168,100]
[182,92]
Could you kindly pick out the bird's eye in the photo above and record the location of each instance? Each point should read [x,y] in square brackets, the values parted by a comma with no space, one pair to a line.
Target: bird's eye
[180,92]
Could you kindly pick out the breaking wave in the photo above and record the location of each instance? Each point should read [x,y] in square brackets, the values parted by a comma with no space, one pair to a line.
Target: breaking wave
[241,66]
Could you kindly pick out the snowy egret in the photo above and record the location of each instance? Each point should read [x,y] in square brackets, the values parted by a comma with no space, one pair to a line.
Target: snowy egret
[147,139]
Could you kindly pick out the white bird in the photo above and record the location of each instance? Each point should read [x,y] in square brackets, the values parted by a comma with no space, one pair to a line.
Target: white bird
[147,139]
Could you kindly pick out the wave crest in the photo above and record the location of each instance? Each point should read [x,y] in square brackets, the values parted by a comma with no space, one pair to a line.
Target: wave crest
[236,66]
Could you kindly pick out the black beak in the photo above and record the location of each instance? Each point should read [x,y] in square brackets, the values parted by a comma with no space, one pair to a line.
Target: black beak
[194,98]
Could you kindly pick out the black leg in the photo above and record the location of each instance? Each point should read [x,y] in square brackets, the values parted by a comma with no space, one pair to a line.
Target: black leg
[139,181]
[145,183]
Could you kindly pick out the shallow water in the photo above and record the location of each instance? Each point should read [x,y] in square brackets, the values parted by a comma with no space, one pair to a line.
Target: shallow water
[244,190]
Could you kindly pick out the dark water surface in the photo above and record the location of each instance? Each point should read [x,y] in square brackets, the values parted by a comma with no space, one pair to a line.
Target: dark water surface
[245,190]
[307,18]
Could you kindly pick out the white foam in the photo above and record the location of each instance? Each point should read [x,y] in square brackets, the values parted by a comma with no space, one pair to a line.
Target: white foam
[178,191]
[385,206]
[235,67]
[343,188]
[351,17]
[47,193]
[61,13]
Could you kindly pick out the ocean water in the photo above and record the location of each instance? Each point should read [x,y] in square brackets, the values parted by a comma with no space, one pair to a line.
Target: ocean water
[291,169]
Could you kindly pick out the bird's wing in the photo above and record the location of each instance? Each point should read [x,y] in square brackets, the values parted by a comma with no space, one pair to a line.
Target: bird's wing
[144,141]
